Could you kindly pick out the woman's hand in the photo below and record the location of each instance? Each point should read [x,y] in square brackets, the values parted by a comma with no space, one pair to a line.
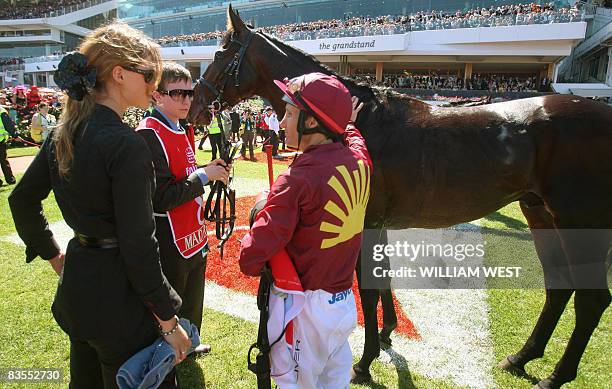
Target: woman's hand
[179,340]
[357,106]
[57,263]
[218,170]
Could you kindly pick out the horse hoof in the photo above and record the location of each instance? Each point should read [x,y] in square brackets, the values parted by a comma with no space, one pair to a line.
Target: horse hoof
[549,383]
[358,376]
[508,365]
[545,384]
[385,342]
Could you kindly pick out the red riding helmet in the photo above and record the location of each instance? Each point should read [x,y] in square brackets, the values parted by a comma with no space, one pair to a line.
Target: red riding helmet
[322,95]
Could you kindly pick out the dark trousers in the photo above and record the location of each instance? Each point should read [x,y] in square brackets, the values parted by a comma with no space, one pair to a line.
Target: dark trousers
[188,281]
[274,142]
[202,140]
[94,363]
[216,142]
[247,139]
[185,275]
[4,163]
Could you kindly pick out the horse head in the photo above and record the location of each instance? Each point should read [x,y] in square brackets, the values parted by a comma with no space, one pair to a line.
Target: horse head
[235,74]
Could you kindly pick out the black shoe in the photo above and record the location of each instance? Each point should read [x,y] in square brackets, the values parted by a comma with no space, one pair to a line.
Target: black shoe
[12,182]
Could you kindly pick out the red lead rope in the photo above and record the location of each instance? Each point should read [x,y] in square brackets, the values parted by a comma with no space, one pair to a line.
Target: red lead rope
[268,149]
[26,142]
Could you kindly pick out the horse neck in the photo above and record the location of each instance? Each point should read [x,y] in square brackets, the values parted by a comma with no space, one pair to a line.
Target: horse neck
[283,61]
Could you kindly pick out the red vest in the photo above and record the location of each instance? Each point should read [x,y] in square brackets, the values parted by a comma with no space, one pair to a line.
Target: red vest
[186,220]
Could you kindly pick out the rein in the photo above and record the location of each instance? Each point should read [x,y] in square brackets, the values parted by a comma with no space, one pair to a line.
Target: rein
[221,200]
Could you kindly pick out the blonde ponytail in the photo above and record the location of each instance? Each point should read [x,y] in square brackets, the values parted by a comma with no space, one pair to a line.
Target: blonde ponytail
[116,44]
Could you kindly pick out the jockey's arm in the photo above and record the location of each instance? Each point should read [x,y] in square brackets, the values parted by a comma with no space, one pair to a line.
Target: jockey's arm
[274,225]
[354,141]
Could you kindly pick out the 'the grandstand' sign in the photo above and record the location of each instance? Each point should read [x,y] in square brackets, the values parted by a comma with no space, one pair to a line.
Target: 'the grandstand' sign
[352,44]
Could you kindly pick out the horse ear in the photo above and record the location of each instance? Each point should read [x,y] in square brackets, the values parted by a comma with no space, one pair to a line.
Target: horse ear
[233,20]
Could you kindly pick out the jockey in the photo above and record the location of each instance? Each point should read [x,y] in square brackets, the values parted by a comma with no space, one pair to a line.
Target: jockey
[315,211]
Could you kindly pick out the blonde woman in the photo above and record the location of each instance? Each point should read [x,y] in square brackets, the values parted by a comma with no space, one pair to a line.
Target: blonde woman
[112,299]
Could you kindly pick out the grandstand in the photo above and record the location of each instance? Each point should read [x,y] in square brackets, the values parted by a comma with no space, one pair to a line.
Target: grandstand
[459,46]
[391,41]
[30,29]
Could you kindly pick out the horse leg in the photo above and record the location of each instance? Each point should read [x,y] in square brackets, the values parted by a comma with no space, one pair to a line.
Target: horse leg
[586,251]
[549,250]
[389,318]
[371,347]
[388,308]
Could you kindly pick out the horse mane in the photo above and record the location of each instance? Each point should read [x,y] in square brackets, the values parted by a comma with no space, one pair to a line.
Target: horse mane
[383,107]
[363,90]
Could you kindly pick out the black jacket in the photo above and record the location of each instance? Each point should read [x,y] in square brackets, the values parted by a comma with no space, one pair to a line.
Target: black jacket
[102,292]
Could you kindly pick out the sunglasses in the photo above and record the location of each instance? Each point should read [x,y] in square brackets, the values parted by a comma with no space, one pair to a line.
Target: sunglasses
[178,94]
[146,73]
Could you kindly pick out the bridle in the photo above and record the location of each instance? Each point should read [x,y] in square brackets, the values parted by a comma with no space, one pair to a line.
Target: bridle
[231,70]
[222,198]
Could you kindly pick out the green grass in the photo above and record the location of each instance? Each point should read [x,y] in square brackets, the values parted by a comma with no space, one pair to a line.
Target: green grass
[52,212]
[22,151]
[514,312]
[30,338]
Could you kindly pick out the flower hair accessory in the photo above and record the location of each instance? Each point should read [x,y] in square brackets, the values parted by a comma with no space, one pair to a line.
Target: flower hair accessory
[74,76]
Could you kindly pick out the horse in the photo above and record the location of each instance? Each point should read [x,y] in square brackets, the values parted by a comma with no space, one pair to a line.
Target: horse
[435,167]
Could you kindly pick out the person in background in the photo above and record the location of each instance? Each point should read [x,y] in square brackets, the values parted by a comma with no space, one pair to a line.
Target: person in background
[248,134]
[215,133]
[42,123]
[271,121]
[7,131]
[112,298]
[235,117]
[227,125]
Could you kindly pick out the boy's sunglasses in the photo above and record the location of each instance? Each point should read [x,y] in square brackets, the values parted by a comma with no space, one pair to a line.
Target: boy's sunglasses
[178,94]
[146,73]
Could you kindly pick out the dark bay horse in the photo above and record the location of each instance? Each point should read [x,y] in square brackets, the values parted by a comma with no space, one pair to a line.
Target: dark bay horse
[437,167]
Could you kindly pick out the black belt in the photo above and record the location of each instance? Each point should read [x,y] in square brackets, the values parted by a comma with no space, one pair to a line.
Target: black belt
[96,243]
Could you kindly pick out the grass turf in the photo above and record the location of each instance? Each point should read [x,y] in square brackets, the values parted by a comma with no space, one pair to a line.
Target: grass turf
[514,312]
[31,338]
[21,151]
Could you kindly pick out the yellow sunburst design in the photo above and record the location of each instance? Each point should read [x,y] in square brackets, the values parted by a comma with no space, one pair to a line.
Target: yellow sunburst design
[355,202]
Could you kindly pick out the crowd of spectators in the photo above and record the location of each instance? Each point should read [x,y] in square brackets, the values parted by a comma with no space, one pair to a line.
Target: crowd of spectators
[486,82]
[32,10]
[11,61]
[503,15]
